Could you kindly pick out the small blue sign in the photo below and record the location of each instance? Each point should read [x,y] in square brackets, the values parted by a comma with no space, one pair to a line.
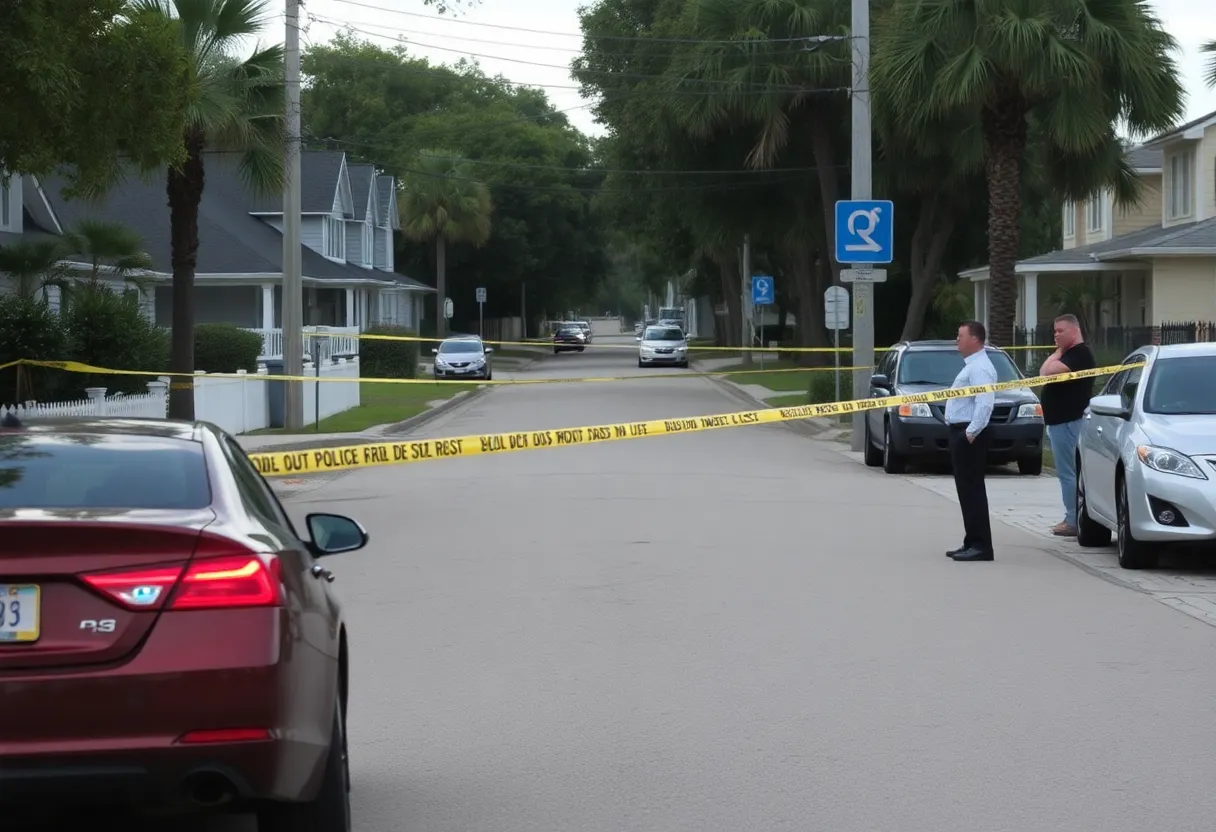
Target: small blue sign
[763,293]
[865,231]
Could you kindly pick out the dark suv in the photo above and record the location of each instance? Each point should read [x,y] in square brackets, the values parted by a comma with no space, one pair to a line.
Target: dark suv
[896,434]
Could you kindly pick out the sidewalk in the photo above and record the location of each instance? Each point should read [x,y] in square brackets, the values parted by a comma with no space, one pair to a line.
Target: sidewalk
[758,392]
[1033,504]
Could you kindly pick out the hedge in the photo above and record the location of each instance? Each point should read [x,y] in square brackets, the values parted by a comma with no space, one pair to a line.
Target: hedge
[226,348]
[388,359]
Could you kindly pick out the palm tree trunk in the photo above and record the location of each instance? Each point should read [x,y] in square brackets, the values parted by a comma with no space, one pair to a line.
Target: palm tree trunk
[933,230]
[185,190]
[441,286]
[1005,137]
[829,188]
[728,271]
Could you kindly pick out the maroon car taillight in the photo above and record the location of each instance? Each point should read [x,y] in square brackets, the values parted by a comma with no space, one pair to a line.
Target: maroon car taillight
[214,582]
[225,735]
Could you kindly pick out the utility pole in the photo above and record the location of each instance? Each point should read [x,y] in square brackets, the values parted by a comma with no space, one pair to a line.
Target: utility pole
[745,288]
[292,309]
[863,292]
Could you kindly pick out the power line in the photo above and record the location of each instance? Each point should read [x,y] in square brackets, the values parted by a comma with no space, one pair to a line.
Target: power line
[625,38]
[721,84]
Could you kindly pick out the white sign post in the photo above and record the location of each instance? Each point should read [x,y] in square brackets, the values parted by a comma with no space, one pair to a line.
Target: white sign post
[481,302]
[836,314]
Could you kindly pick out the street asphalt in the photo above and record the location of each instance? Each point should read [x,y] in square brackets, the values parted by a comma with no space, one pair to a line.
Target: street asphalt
[738,630]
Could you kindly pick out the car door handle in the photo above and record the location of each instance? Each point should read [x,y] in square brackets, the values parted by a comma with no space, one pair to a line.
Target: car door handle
[1098,429]
[319,571]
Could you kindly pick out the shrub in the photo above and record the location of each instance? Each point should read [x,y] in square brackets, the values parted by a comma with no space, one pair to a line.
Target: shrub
[388,359]
[823,386]
[29,328]
[108,328]
[226,348]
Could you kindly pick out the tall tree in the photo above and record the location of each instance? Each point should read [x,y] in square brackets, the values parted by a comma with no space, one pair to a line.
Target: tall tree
[234,105]
[1209,71]
[90,86]
[1076,68]
[442,203]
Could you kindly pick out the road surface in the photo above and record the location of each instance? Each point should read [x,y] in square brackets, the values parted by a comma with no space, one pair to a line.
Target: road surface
[738,630]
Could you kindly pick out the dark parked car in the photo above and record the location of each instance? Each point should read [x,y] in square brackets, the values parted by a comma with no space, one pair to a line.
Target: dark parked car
[169,643]
[896,434]
[569,337]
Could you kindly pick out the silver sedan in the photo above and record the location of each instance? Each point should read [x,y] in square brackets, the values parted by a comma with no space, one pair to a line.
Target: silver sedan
[662,345]
[1147,455]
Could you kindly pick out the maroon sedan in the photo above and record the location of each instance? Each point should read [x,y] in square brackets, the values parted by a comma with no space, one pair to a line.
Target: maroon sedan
[168,642]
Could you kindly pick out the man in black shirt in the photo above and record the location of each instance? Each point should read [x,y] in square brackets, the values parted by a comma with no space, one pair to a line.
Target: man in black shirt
[1064,404]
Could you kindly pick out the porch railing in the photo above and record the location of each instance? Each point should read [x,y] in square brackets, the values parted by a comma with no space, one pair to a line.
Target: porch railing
[335,341]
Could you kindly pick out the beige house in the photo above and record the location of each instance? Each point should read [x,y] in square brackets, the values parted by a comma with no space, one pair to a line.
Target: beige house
[1149,265]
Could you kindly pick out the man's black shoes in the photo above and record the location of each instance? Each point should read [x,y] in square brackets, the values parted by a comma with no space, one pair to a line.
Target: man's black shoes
[971,554]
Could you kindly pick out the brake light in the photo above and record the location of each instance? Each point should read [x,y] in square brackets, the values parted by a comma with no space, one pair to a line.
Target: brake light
[225,735]
[214,582]
[229,581]
[139,589]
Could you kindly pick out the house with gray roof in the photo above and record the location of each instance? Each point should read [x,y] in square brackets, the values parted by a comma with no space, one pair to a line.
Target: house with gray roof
[349,216]
[1137,266]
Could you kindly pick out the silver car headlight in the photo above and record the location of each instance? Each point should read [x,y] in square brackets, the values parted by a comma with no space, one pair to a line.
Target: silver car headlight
[1169,462]
[1030,411]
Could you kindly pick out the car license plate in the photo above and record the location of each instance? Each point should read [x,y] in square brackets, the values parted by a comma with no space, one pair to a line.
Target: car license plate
[19,612]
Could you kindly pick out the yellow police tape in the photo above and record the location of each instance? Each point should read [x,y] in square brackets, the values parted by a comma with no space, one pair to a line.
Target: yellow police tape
[546,343]
[294,463]
[78,367]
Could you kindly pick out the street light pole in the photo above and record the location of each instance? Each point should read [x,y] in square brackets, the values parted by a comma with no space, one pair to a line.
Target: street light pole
[292,304]
[863,292]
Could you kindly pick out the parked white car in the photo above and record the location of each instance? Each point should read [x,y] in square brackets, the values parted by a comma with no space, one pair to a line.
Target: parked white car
[662,345]
[1147,455]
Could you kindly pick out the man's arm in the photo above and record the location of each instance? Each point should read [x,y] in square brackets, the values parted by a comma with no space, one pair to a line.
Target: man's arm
[1053,366]
[984,402]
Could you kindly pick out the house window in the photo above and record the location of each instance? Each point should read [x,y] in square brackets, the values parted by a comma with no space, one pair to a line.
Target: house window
[1182,181]
[368,242]
[1096,213]
[335,239]
[1070,219]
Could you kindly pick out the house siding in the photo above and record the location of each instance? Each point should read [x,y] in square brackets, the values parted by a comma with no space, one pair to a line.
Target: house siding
[1206,163]
[354,243]
[311,233]
[1146,213]
[238,305]
[382,262]
[1183,289]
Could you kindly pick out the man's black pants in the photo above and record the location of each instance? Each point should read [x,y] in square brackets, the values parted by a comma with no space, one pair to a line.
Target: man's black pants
[969,460]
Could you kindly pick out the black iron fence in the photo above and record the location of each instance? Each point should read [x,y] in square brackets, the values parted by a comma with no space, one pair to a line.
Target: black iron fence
[1111,344]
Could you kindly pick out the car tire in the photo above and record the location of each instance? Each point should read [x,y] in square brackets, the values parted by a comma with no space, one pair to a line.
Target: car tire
[640,364]
[556,350]
[580,349]
[1090,533]
[870,453]
[1133,554]
[329,811]
[892,462]
[1030,466]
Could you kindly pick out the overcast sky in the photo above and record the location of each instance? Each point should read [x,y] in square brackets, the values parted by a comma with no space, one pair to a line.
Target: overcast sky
[490,33]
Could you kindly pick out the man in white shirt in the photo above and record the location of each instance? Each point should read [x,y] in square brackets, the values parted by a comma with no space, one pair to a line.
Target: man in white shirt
[967,417]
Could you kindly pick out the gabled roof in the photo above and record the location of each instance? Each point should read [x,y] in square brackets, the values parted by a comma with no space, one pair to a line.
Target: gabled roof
[231,239]
[1145,158]
[1190,130]
[361,179]
[386,188]
[1145,242]
[320,172]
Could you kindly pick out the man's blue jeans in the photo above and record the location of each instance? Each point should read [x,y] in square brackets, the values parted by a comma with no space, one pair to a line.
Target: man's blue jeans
[1063,439]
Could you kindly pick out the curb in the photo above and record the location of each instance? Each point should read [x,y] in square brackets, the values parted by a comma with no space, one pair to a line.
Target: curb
[812,426]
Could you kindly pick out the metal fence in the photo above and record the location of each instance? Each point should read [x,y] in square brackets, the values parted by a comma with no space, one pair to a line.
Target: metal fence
[1112,343]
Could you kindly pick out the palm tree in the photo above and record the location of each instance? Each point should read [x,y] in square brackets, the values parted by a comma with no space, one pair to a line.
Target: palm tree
[110,248]
[1073,68]
[34,265]
[1209,71]
[442,203]
[236,106]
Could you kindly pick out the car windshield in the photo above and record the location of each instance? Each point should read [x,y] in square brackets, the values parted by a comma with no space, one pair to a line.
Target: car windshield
[1176,386]
[664,334]
[569,330]
[941,367]
[95,471]
[461,347]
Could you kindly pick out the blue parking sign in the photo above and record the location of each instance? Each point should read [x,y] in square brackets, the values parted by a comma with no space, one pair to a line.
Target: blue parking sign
[763,293]
[865,231]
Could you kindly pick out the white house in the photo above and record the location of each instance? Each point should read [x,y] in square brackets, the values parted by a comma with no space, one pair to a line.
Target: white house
[349,215]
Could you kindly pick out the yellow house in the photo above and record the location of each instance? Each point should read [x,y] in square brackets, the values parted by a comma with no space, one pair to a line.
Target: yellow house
[1149,265]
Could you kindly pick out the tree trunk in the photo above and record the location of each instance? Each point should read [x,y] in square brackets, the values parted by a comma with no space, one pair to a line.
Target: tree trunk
[1005,137]
[441,287]
[185,191]
[829,191]
[728,270]
[933,230]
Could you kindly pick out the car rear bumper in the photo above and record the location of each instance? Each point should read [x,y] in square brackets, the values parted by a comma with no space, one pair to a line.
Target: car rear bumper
[112,735]
[928,437]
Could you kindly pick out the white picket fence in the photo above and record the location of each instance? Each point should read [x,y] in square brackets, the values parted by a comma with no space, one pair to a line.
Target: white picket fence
[238,405]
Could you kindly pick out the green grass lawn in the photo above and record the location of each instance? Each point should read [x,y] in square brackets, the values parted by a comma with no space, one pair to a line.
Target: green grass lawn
[788,380]
[384,404]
